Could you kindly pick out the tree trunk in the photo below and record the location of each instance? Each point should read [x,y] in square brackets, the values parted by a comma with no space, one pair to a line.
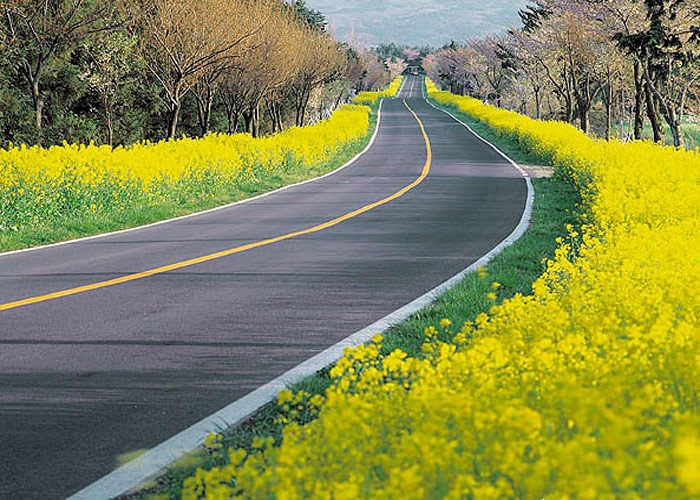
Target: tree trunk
[302,101]
[279,118]
[621,131]
[107,108]
[582,109]
[110,129]
[173,119]
[569,101]
[205,101]
[252,119]
[38,100]
[638,102]
[568,109]
[584,99]
[674,120]
[608,115]
[275,115]
[676,129]
[298,114]
[248,120]
[33,76]
[256,121]
[653,113]
[583,116]
[338,99]
[233,114]
[233,119]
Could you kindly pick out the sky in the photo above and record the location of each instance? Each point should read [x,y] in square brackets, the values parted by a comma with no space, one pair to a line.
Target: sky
[416,22]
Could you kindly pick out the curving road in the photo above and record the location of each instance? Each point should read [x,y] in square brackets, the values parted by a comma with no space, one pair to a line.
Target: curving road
[97,373]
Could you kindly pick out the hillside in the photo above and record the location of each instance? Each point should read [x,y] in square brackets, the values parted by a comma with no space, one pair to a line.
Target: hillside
[425,22]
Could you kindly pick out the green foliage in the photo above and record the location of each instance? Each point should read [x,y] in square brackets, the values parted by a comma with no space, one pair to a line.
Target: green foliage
[311,17]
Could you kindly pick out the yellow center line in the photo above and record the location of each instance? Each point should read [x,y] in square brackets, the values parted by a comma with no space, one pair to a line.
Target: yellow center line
[239,249]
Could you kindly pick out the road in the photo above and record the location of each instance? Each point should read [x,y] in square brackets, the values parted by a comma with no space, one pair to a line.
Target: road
[95,374]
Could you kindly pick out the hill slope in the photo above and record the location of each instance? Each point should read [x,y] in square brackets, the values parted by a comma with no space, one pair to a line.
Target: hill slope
[413,22]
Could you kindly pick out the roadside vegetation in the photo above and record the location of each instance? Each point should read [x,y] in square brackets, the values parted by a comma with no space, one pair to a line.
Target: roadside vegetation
[624,69]
[62,192]
[584,387]
[117,114]
[369,98]
[125,71]
[515,269]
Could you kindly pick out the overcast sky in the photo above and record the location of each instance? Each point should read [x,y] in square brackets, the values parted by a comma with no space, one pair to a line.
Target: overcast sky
[417,22]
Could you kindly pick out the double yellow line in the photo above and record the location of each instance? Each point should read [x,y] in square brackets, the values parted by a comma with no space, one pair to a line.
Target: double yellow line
[239,249]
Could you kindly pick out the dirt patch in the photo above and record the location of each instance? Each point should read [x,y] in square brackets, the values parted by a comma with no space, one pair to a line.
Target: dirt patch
[538,171]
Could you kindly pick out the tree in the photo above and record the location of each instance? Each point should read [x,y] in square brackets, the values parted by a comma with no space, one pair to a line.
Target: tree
[669,53]
[263,72]
[320,61]
[618,19]
[458,68]
[37,31]
[206,89]
[374,74]
[495,65]
[107,66]
[180,40]
[527,67]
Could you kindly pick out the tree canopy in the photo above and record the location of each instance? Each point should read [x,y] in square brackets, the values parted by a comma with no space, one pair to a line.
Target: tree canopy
[124,71]
[588,62]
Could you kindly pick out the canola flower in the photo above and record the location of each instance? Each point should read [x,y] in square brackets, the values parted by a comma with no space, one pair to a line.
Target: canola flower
[586,389]
[46,186]
[371,98]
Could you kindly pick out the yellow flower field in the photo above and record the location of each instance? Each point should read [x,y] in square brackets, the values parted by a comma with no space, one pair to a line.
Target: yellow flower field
[587,389]
[43,187]
[371,98]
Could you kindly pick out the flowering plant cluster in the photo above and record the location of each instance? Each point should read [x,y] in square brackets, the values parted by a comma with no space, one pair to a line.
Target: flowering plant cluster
[371,98]
[587,388]
[45,186]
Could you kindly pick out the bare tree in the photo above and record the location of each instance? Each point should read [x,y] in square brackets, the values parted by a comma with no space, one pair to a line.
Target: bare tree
[618,19]
[528,67]
[180,40]
[496,67]
[671,52]
[321,61]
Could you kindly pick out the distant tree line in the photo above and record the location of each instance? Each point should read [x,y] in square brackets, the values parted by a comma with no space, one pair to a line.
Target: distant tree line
[121,71]
[612,67]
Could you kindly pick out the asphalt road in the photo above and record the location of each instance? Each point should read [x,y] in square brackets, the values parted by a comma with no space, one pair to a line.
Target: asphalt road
[91,376]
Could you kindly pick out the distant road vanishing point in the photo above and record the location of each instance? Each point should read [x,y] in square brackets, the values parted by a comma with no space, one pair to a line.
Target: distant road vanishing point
[114,344]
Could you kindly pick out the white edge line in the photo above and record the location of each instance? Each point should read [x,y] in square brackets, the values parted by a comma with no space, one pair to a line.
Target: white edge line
[154,461]
[215,209]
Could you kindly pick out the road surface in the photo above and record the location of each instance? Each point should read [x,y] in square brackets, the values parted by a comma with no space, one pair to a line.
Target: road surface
[98,373]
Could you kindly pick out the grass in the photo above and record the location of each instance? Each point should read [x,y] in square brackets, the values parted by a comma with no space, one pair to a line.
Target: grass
[691,133]
[556,202]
